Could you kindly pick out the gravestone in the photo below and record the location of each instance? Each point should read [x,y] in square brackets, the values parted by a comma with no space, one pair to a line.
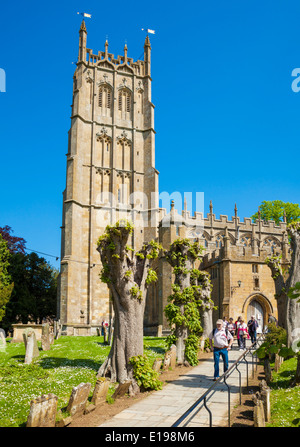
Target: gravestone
[105,331]
[258,411]
[46,337]
[2,339]
[42,411]
[157,364]
[100,391]
[122,389]
[265,394]
[170,358]
[31,346]
[278,362]
[78,399]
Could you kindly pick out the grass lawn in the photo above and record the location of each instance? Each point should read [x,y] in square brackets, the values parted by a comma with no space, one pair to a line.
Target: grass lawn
[70,361]
[285,401]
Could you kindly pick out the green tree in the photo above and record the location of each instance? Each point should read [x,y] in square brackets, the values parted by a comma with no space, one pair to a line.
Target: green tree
[275,209]
[34,296]
[183,310]
[6,286]
[128,275]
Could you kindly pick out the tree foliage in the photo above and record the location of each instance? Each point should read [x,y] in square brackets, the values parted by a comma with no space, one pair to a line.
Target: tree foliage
[275,209]
[15,244]
[6,286]
[34,296]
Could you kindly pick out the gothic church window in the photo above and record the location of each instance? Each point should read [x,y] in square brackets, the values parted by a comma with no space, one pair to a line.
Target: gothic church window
[219,240]
[124,103]
[272,245]
[246,241]
[105,100]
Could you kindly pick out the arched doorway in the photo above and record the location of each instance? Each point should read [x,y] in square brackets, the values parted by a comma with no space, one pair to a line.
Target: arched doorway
[256,309]
[259,306]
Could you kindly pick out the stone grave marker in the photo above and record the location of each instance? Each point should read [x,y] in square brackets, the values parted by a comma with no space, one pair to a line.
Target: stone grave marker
[258,411]
[78,399]
[122,389]
[100,391]
[170,358]
[42,411]
[2,340]
[32,349]
[46,337]
[157,364]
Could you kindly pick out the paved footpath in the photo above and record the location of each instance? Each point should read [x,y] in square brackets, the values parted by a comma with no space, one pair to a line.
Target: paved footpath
[162,408]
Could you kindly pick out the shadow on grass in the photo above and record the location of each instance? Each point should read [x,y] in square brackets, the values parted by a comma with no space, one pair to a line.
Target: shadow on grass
[157,350]
[60,362]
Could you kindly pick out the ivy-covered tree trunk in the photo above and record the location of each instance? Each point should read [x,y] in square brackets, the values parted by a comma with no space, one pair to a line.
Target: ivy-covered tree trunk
[280,292]
[127,275]
[202,290]
[182,310]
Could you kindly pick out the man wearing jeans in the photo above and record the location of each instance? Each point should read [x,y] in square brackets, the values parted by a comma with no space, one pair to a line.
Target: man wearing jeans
[220,341]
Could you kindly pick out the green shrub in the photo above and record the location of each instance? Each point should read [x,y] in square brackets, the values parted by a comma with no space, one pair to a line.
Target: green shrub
[143,373]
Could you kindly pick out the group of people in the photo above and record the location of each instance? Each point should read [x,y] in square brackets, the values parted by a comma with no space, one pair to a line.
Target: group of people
[241,330]
[221,338]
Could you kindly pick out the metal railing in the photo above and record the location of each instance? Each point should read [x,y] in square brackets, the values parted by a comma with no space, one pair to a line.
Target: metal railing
[205,397]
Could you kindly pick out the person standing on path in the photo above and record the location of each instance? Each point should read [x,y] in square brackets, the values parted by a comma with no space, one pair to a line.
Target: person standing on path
[242,335]
[220,341]
[252,328]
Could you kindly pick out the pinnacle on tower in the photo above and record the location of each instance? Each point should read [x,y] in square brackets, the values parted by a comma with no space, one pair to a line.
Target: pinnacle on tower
[284,216]
[235,210]
[147,42]
[147,56]
[83,27]
[210,207]
[82,42]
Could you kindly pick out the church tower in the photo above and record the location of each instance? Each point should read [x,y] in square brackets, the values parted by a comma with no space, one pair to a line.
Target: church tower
[110,175]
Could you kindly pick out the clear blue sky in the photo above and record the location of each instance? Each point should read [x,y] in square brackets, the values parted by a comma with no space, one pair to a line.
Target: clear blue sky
[226,118]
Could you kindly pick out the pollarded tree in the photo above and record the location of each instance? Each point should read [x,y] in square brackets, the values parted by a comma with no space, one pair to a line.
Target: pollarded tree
[200,280]
[127,274]
[183,312]
[289,316]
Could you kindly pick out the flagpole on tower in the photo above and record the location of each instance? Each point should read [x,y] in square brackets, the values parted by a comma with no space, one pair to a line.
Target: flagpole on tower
[85,14]
[148,31]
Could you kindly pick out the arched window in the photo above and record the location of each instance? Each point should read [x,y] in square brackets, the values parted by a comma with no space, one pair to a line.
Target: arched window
[105,99]
[124,103]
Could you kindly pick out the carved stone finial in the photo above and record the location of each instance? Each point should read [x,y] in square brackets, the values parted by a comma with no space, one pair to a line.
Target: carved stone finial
[147,42]
[83,27]
[210,207]
[284,216]
[235,210]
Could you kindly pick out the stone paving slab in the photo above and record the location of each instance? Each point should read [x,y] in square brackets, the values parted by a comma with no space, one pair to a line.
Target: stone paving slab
[162,408]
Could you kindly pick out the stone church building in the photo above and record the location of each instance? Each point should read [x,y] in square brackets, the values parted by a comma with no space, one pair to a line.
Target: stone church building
[111,174]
